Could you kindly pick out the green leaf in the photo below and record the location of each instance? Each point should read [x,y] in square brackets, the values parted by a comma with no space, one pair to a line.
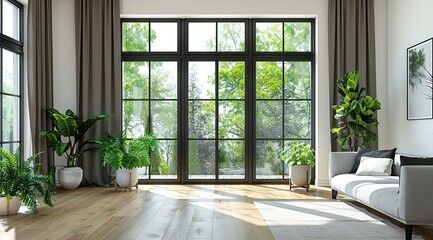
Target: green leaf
[71,114]
[66,125]
[369,137]
[353,80]
[337,129]
[52,136]
[61,148]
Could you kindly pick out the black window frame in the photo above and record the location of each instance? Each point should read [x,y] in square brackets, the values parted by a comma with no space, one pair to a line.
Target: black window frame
[16,47]
[249,56]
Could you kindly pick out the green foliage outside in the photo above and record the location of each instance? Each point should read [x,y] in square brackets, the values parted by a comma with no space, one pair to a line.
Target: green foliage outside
[354,113]
[286,81]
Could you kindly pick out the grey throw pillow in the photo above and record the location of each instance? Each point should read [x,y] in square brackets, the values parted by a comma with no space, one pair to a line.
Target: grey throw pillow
[405,160]
[364,152]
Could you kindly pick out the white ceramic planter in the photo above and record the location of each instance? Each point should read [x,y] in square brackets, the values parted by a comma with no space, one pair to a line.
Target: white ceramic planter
[9,206]
[70,177]
[122,177]
[298,175]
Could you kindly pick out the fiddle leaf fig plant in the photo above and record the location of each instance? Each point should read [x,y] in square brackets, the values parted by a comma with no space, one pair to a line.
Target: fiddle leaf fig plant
[67,137]
[354,113]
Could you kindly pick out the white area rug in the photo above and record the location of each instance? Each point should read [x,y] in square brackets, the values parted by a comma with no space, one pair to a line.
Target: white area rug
[315,219]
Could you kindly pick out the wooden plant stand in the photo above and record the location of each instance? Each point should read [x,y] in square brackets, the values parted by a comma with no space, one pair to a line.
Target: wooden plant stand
[130,184]
[307,186]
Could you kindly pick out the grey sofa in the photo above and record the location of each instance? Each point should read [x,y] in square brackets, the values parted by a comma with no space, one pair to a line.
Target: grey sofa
[406,196]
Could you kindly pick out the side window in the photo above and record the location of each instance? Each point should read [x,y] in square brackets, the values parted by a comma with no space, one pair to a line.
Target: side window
[11,54]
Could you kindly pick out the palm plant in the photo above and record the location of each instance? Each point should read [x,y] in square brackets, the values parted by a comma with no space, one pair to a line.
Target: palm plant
[119,152]
[21,179]
[67,137]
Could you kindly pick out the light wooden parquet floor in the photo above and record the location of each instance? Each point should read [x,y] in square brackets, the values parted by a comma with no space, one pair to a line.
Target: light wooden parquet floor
[156,212]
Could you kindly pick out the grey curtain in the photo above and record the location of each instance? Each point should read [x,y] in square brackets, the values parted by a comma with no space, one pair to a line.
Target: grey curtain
[351,47]
[40,76]
[97,24]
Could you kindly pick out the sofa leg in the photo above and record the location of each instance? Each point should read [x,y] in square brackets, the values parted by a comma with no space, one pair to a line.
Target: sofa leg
[408,230]
[334,194]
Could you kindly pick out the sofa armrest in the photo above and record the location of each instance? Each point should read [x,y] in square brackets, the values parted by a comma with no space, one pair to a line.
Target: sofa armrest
[340,163]
[416,194]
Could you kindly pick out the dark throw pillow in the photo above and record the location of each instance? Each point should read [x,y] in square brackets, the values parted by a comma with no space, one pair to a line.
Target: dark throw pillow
[364,152]
[405,160]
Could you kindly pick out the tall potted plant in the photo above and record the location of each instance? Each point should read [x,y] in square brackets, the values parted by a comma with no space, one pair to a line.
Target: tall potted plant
[300,157]
[354,113]
[126,156]
[21,182]
[68,140]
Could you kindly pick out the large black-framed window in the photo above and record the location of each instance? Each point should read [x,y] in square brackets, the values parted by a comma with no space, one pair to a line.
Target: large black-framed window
[242,91]
[11,64]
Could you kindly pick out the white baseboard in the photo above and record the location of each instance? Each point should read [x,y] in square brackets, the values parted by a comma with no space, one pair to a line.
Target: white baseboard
[322,183]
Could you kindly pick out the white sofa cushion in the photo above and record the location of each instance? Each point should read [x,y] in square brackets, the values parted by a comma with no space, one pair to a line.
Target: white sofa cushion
[371,166]
[378,192]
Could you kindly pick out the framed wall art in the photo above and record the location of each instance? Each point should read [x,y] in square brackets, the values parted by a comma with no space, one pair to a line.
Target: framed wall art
[419,80]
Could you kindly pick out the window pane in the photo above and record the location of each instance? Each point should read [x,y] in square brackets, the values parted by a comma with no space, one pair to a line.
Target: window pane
[201,159]
[231,159]
[164,37]
[10,147]
[135,80]
[231,80]
[135,118]
[164,119]
[201,37]
[297,122]
[269,119]
[269,80]
[164,160]
[136,36]
[297,80]
[201,79]
[269,37]
[164,80]
[268,162]
[11,20]
[231,37]
[231,119]
[297,37]
[11,118]
[11,72]
[201,119]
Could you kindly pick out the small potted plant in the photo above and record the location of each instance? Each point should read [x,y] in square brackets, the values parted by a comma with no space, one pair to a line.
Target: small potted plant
[126,156]
[68,140]
[21,182]
[300,158]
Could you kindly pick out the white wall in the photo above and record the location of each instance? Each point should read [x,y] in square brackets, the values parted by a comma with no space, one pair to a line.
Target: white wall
[252,9]
[64,58]
[380,14]
[409,22]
